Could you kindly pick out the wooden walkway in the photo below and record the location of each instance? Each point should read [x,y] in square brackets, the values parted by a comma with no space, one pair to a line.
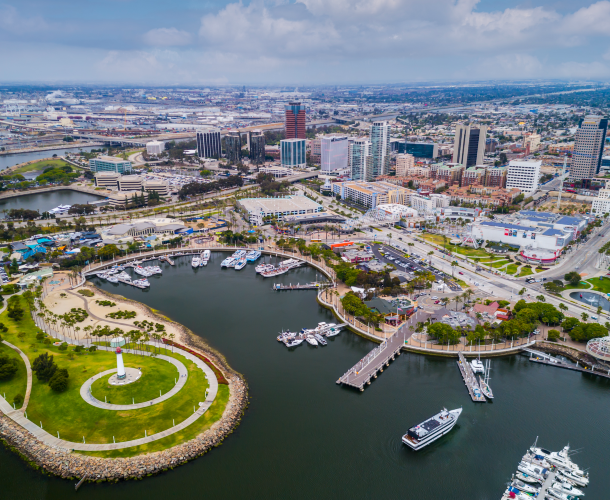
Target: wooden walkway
[568,366]
[367,368]
[470,380]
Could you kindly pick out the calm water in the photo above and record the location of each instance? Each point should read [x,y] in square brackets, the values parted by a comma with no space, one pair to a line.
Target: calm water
[591,299]
[16,159]
[47,201]
[305,437]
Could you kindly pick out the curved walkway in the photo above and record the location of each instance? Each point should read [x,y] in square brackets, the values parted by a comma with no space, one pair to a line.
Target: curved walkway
[51,440]
[85,390]
[28,369]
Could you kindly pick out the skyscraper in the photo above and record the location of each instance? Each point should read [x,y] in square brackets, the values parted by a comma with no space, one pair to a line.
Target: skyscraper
[469,144]
[380,150]
[588,148]
[256,139]
[208,144]
[293,153]
[295,121]
[359,154]
[233,146]
[333,151]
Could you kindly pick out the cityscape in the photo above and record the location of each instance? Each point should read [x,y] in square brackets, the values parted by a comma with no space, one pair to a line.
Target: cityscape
[180,185]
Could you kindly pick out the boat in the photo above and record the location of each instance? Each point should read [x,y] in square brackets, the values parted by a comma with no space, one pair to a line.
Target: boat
[484,382]
[560,495]
[196,261]
[205,257]
[526,488]
[532,470]
[566,487]
[513,493]
[477,366]
[263,267]
[538,460]
[227,262]
[311,340]
[294,343]
[112,279]
[559,459]
[574,478]
[430,430]
[240,263]
[527,478]
[332,332]
[321,340]
[253,255]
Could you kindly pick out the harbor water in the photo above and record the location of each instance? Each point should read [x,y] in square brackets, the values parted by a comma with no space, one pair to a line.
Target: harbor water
[47,201]
[305,437]
[10,160]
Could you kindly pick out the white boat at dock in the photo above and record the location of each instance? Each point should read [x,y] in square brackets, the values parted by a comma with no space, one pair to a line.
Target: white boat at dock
[574,478]
[421,435]
[241,263]
[311,340]
[293,343]
[321,340]
[539,473]
[477,366]
[564,486]
[228,262]
[559,459]
[526,478]
[526,488]
[205,257]
[112,279]
[195,262]
[253,255]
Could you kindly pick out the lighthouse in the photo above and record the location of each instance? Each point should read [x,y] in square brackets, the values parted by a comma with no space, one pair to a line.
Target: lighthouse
[120,367]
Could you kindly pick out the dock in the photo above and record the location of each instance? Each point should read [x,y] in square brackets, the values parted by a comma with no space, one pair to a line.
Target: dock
[469,379]
[548,482]
[127,282]
[166,258]
[368,367]
[567,366]
[307,286]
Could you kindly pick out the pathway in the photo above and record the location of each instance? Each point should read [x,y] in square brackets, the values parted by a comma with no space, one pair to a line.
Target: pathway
[28,368]
[85,390]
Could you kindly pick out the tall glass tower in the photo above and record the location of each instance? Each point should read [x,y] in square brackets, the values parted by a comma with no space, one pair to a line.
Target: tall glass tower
[295,121]
[380,150]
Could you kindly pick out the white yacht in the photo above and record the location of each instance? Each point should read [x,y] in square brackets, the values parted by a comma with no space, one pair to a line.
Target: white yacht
[553,493]
[294,342]
[311,340]
[539,473]
[527,478]
[240,263]
[205,257]
[196,261]
[321,340]
[228,262]
[477,366]
[565,487]
[574,478]
[430,430]
[527,488]
[559,459]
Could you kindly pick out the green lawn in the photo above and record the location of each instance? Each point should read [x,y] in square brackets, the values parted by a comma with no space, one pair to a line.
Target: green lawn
[41,165]
[511,268]
[500,263]
[437,239]
[525,271]
[68,414]
[596,284]
[17,384]
[157,375]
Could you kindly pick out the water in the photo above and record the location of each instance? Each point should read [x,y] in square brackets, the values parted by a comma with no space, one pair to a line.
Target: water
[591,299]
[305,437]
[47,201]
[17,158]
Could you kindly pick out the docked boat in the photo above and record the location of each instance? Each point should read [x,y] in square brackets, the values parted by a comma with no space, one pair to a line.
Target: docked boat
[574,478]
[430,430]
[566,487]
[553,493]
[228,262]
[332,332]
[141,283]
[253,255]
[240,263]
[534,471]
[196,261]
[526,478]
[112,279]
[526,488]
[294,342]
[205,257]
[477,366]
[321,340]
[559,459]
[311,340]
[513,493]
[263,267]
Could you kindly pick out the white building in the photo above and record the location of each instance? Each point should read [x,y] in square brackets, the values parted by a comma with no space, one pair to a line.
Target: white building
[259,208]
[601,204]
[359,152]
[398,210]
[126,232]
[276,171]
[130,183]
[155,147]
[404,164]
[380,150]
[333,154]
[523,175]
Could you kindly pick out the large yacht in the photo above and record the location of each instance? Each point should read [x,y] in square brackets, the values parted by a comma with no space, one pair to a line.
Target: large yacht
[430,430]
[195,262]
[205,257]
[241,263]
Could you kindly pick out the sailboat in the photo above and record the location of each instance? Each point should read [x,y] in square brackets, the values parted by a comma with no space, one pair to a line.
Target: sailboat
[484,383]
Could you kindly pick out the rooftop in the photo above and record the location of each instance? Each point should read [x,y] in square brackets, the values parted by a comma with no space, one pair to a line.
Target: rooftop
[286,204]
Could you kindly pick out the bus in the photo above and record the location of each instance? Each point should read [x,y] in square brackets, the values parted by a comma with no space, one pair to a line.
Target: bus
[316,240]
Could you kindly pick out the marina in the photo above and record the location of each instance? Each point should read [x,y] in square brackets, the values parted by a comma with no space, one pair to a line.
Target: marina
[307,286]
[315,336]
[470,380]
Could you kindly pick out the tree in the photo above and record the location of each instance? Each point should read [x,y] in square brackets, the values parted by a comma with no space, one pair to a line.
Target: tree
[553,335]
[569,324]
[522,291]
[444,333]
[573,278]
[108,251]
[8,367]
[562,306]
[44,367]
[15,311]
[584,316]
[59,381]
[587,331]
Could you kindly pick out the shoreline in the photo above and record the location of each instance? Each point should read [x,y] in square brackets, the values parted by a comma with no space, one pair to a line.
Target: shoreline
[69,465]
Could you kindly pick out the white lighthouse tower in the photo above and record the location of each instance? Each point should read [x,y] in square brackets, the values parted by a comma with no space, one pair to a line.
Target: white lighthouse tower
[120,372]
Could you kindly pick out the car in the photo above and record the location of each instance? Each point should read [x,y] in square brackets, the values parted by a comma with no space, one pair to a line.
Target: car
[460,272]
[435,298]
[437,301]
[400,238]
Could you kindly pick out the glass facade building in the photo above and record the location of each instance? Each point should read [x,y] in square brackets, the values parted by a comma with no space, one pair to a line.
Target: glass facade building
[295,121]
[293,153]
[333,153]
[256,138]
[358,155]
[209,145]
[233,146]
[421,149]
[380,150]
[110,164]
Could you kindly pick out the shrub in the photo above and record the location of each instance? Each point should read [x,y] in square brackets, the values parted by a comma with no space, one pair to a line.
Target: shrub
[39,336]
[553,335]
[105,303]
[93,348]
[59,381]
[44,367]
[18,400]
[15,311]
[8,367]
[63,347]
[86,293]
[46,341]
[78,348]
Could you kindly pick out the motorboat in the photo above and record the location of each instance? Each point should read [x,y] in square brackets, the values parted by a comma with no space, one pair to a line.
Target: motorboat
[527,488]
[430,430]
[321,340]
[513,493]
[566,487]
[253,255]
[532,470]
[311,340]
[294,343]
[332,332]
[526,478]
[205,257]
[477,366]
[241,263]
[227,262]
[196,261]
[560,495]
[559,459]
[112,279]
[485,389]
[574,478]
[538,460]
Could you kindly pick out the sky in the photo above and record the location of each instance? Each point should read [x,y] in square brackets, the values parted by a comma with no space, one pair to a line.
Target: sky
[302,42]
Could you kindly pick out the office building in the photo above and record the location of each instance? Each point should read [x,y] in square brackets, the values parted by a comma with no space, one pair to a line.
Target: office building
[372,194]
[404,164]
[233,146]
[316,150]
[469,144]
[107,180]
[523,175]
[588,148]
[110,164]
[258,209]
[209,144]
[256,141]
[333,155]
[161,187]
[155,147]
[421,149]
[531,143]
[295,121]
[293,153]
[380,150]
[130,183]
[359,151]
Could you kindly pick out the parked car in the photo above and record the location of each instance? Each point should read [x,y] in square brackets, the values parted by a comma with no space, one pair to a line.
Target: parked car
[460,272]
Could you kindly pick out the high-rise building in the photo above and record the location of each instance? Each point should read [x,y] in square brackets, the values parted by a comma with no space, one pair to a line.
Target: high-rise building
[359,153]
[295,121]
[316,150]
[209,145]
[404,162]
[523,175]
[588,148]
[293,153]
[333,153]
[420,149]
[256,141]
[110,164]
[233,146]
[469,144]
[380,150]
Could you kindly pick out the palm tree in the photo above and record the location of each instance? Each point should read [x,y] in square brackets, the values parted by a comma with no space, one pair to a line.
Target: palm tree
[457,300]
[454,264]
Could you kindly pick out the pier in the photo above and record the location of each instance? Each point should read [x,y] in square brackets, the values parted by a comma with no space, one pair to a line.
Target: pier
[568,366]
[470,379]
[368,367]
[307,286]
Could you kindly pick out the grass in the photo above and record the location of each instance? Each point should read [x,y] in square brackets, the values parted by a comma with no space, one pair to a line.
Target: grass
[437,239]
[593,284]
[499,264]
[68,414]
[17,384]
[511,268]
[41,165]
[157,375]
[525,271]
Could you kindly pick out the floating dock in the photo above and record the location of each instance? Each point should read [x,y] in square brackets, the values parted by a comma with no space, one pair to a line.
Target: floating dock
[469,379]
[567,366]
[127,282]
[307,286]
[367,368]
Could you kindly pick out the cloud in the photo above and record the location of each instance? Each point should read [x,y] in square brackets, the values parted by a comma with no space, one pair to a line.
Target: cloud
[12,22]
[167,37]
